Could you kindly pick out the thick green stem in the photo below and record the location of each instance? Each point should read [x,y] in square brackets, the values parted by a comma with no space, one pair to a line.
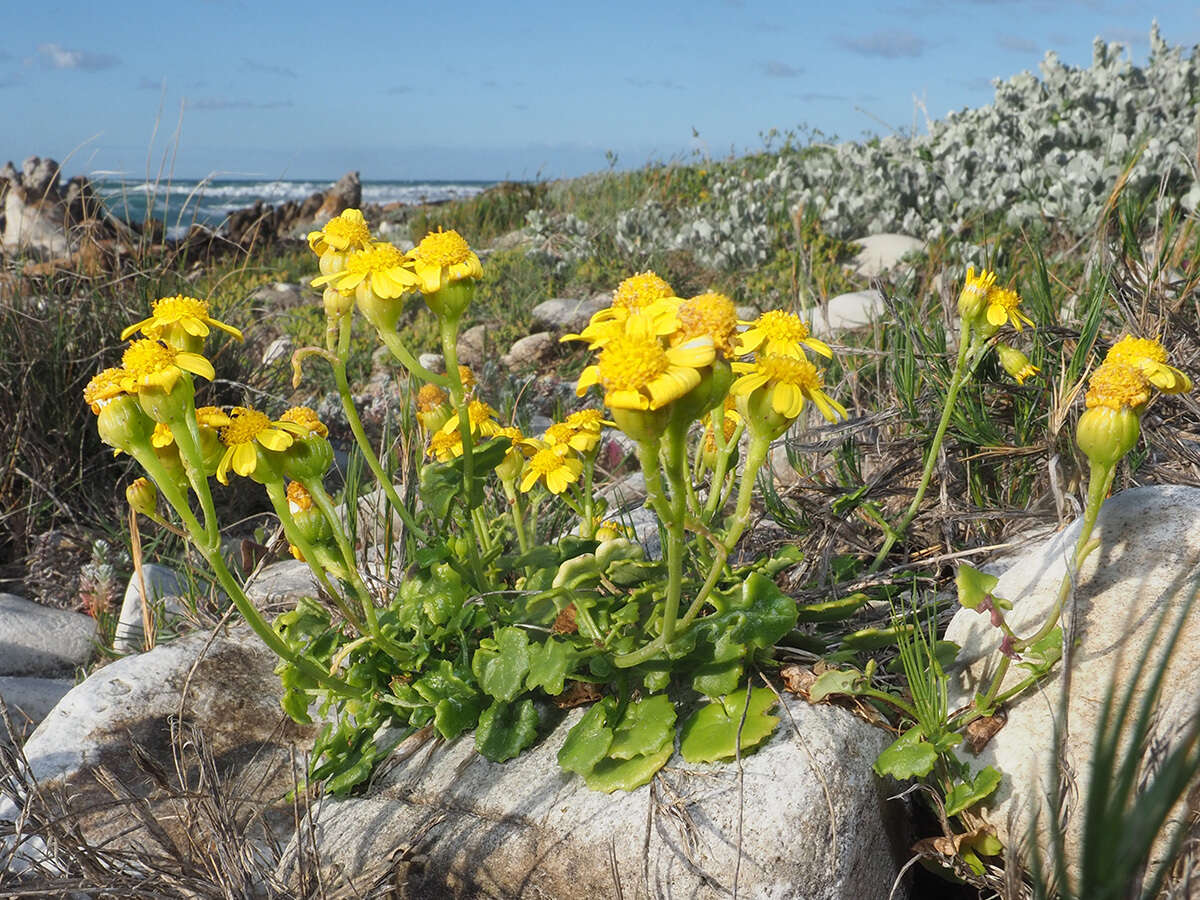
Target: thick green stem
[324,503]
[677,475]
[957,379]
[392,341]
[458,394]
[518,514]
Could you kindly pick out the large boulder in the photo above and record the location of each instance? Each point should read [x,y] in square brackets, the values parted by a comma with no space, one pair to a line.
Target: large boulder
[40,640]
[880,253]
[345,194]
[805,818]
[1146,566]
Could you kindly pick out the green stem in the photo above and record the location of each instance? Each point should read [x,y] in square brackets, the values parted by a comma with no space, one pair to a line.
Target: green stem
[677,475]
[957,379]
[392,341]
[317,491]
[458,394]
[518,515]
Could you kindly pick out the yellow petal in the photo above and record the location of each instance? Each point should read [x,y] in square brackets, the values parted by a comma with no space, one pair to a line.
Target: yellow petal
[996,315]
[196,364]
[626,400]
[194,326]
[818,347]
[223,466]
[274,439]
[133,329]
[245,458]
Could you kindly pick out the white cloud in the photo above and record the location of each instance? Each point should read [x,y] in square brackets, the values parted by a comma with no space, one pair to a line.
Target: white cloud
[60,57]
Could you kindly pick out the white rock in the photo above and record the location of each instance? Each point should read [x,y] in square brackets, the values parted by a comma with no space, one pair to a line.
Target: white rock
[1148,562]
[41,640]
[881,252]
[529,350]
[163,590]
[567,314]
[434,362]
[29,700]
[811,814]
[473,347]
[857,309]
[280,348]
[281,584]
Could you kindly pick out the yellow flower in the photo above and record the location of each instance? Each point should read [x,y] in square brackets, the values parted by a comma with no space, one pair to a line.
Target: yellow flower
[658,317]
[974,293]
[344,233]
[789,381]
[247,430]
[103,387]
[1016,363]
[709,314]
[1110,425]
[637,372]
[1150,358]
[640,290]
[445,445]
[307,419]
[482,418]
[180,321]
[149,363]
[578,439]
[162,436]
[587,420]
[467,377]
[1117,385]
[298,497]
[377,270]
[442,258]
[779,333]
[1004,305]
[514,460]
[554,466]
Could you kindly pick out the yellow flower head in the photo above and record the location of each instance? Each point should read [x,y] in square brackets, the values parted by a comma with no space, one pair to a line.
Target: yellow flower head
[307,419]
[482,418]
[658,317]
[638,372]
[445,445]
[974,293]
[554,466]
[299,499]
[103,387]
[514,460]
[152,364]
[709,314]
[1117,385]
[377,270]
[790,380]
[344,233]
[639,291]
[430,397]
[142,496]
[1004,305]
[211,417]
[180,321]
[582,440]
[467,377]
[587,420]
[442,258]
[1149,357]
[779,333]
[248,429]
[1016,363]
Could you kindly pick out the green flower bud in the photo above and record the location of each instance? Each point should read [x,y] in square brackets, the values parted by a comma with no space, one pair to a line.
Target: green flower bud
[123,424]
[1105,434]
[142,497]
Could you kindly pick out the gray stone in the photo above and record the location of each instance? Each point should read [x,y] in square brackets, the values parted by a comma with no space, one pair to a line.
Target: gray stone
[807,819]
[567,314]
[434,362]
[279,349]
[881,252]
[35,224]
[1147,564]
[285,295]
[625,493]
[473,346]
[40,640]
[163,590]
[857,309]
[746,313]
[281,584]
[29,700]
[529,351]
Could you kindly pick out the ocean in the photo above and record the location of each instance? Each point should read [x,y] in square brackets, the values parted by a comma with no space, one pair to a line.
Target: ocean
[181,202]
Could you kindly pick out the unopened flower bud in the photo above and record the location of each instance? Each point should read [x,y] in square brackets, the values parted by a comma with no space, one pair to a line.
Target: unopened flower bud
[142,497]
[1016,363]
[1105,434]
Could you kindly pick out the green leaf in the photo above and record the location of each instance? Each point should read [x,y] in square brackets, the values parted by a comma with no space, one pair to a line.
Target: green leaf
[627,774]
[967,793]
[909,756]
[438,486]
[832,610]
[454,701]
[644,727]
[589,739]
[875,638]
[720,674]
[711,733]
[973,586]
[549,664]
[505,729]
[501,669]
[835,681]
[1039,658]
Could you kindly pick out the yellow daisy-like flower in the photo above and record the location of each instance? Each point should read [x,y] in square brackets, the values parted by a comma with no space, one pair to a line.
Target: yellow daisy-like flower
[640,290]
[1116,385]
[578,439]
[467,377]
[637,372]
[974,292]
[179,321]
[149,363]
[378,270]
[445,446]
[1149,357]
[554,466]
[482,418]
[442,258]
[1004,305]
[587,420]
[709,314]
[103,387]
[1016,363]
[247,430]
[211,417]
[779,333]
[307,419]
[658,317]
[790,380]
[344,233]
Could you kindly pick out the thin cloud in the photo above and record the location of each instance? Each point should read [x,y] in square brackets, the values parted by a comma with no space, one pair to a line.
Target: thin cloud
[978,83]
[149,84]
[221,103]
[776,69]
[897,44]
[59,57]
[1017,43]
[251,65]
[399,89]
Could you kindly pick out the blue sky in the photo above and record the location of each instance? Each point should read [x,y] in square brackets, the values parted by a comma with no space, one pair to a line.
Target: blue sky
[519,89]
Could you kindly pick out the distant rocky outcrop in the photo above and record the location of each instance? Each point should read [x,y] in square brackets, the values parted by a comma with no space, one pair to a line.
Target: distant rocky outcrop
[262,222]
